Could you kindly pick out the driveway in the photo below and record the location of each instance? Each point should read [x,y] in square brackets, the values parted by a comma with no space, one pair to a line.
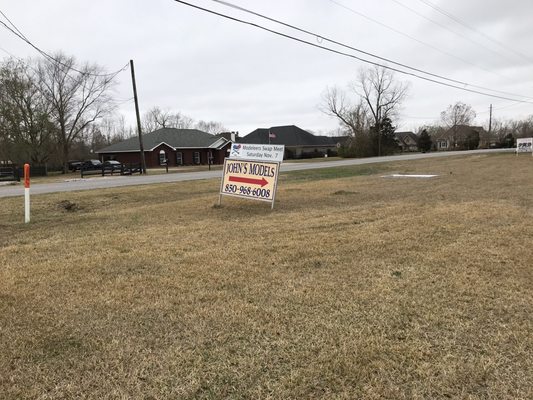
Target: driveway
[118,181]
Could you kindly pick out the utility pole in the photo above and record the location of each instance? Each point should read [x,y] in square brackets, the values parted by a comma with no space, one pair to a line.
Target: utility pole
[490,120]
[139,130]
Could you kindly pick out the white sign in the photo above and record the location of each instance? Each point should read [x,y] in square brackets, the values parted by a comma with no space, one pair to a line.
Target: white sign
[524,145]
[257,152]
[249,179]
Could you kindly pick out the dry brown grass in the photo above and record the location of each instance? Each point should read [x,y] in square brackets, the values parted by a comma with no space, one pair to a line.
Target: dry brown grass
[354,287]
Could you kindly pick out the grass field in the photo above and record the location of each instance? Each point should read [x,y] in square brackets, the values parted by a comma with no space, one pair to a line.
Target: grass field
[355,286]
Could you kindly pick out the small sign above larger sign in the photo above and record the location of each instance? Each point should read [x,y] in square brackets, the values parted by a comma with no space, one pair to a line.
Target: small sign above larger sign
[250,179]
[257,152]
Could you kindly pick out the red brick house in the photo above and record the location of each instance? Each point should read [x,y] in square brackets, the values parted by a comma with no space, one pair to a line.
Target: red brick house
[169,145]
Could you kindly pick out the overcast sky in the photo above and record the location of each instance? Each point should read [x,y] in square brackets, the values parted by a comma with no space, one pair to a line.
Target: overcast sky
[213,69]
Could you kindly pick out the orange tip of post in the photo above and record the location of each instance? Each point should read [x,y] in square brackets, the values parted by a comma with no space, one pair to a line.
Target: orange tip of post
[26,175]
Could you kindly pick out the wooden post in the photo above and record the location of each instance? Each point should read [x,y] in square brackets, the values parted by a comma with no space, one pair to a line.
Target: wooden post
[139,130]
[490,121]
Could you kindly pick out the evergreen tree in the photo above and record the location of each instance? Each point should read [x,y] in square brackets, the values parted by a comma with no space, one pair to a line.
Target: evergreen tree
[472,141]
[424,141]
[509,141]
[384,141]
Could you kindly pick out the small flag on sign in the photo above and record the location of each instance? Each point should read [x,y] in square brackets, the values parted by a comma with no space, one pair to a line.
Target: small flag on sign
[271,135]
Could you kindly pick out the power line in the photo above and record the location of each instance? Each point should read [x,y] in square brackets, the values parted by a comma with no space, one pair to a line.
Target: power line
[66,74]
[234,6]
[21,36]
[333,41]
[473,29]
[12,24]
[348,54]
[509,105]
[409,36]
[117,102]
[448,29]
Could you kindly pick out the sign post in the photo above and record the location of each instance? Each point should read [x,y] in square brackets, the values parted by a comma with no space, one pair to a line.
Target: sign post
[26,193]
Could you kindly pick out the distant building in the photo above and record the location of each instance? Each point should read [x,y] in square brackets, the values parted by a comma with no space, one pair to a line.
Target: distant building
[169,145]
[407,141]
[298,142]
[457,136]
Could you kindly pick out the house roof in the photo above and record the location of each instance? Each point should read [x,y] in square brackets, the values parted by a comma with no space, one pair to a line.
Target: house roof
[407,138]
[172,137]
[289,135]
[460,131]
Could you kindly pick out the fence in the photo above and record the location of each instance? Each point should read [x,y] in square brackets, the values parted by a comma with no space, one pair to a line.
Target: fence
[36,170]
[9,174]
[122,169]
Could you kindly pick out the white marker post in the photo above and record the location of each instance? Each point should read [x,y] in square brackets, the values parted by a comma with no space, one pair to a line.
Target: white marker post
[26,193]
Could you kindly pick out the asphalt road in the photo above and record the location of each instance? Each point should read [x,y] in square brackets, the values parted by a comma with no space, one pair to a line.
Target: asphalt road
[119,181]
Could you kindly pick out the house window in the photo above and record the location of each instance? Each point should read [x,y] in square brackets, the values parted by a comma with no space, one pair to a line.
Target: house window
[179,158]
[162,158]
[196,157]
[443,144]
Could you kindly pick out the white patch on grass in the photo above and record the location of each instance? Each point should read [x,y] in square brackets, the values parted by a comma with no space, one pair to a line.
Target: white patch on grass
[408,176]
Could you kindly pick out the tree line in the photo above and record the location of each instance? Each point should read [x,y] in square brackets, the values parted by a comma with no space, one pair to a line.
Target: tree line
[55,109]
[367,111]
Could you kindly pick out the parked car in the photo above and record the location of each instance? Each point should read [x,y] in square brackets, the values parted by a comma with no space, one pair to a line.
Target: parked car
[74,165]
[113,165]
[91,165]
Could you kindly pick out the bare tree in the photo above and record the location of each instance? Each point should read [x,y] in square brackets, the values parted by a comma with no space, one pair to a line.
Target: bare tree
[156,118]
[523,128]
[379,97]
[24,115]
[352,117]
[501,129]
[114,129]
[382,95]
[122,131]
[76,99]
[211,127]
[456,115]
